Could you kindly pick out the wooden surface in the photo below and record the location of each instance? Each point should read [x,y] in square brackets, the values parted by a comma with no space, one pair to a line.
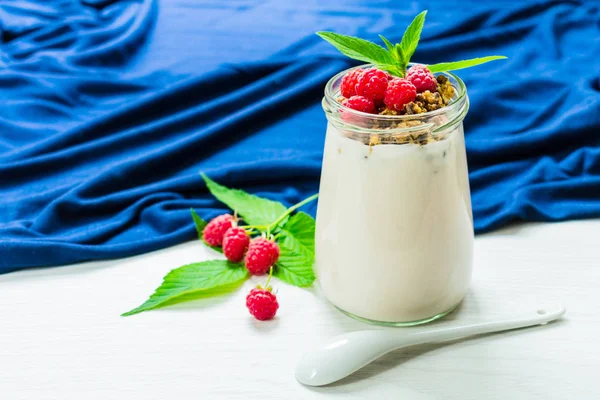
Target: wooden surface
[61,336]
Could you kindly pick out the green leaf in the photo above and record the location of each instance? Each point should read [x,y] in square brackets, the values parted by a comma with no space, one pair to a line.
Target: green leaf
[218,249]
[253,209]
[294,269]
[297,251]
[198,222]
[452,66]
[193,279]
[411,37]
[299,235]
[358,49]
[388,44]
[392,69]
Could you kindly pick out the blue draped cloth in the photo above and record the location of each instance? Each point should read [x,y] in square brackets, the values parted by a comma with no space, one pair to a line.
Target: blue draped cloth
[109,109]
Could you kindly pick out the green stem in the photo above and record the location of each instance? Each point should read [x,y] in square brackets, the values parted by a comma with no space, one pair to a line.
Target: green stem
[282,216]
[291,210]
[269,279]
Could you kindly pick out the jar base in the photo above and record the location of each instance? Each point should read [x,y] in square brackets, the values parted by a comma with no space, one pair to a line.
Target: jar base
[401,324]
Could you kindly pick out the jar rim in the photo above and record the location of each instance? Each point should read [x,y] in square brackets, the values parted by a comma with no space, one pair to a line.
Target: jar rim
[456,109]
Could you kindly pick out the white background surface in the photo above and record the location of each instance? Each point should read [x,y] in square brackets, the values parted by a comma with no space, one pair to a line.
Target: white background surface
[61,336]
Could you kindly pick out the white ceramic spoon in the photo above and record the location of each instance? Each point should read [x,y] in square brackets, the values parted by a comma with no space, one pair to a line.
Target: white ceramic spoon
[349,352]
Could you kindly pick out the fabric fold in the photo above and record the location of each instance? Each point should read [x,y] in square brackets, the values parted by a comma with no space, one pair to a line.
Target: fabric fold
[110,109]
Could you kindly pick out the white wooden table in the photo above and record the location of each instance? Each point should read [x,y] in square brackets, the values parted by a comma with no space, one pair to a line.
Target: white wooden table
[61,336]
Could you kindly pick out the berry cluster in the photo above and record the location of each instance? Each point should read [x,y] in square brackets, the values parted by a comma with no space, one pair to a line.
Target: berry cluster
[375,91]
[259,255]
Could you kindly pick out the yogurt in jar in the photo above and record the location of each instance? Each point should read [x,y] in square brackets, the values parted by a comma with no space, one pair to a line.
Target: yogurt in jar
[394,238]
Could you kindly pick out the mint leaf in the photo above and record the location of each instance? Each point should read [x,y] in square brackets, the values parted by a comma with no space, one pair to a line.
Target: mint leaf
[253,209]
[193,279]
[358,49]
[297,251]
[410,39]
[392,69]
[388,44]
[198,222]
[452,66]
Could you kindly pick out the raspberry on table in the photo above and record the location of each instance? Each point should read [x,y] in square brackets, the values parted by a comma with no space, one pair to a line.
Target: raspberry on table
[360,103]
[349,81]
[423,79]
[213,231]
[262,254]
[399,93]
[262,304]
[372,84]
[235,243]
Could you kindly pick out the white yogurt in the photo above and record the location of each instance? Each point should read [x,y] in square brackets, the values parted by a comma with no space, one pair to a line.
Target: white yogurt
[394,238]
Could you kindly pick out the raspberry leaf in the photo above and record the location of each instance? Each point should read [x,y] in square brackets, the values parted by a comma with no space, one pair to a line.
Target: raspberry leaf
[358,49]
[299,235]
[294,268]
[253,209]
[410,39]
[218,249]
[297,251]
[198,222]
[208,278]
[452,66]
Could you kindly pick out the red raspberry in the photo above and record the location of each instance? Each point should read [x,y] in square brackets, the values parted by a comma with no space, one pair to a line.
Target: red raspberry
[261,255]
[213,231]
[372,84]
[423,79]
[349,81]
[262,304]
[235,243]
[399,92]
[360,103]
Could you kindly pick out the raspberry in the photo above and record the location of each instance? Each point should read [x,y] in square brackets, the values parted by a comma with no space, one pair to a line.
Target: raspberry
[423,79]
[261,255]
[235,243]
[372,84]
[360,103]
[213,231]
[262,304]
[348,85]
[399,92]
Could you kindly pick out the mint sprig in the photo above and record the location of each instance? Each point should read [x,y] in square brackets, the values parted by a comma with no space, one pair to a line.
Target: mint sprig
[295,234]
[396,58]
[358,49]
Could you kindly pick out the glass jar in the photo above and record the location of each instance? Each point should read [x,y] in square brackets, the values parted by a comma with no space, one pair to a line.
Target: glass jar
[394,239]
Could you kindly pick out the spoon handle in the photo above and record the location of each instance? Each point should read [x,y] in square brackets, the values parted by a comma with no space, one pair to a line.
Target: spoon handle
[349,352]
[539,317]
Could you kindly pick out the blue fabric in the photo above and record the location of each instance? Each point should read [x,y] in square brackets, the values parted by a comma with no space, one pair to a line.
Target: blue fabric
[108,110]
